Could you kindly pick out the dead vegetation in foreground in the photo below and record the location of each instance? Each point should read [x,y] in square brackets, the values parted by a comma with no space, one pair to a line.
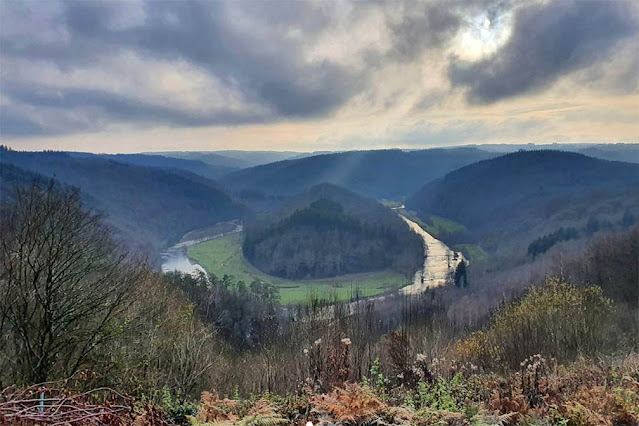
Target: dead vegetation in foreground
[541,393]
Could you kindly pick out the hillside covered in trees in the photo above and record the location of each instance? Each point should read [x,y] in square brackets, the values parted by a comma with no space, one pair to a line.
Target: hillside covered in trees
[390,174]
[232,158]
[149,206]
[198,167]
[329,231]
[525,195]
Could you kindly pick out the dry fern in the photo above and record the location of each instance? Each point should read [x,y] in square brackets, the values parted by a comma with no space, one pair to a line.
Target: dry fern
[352,404]
[516,406]
[214,409]
[263,407]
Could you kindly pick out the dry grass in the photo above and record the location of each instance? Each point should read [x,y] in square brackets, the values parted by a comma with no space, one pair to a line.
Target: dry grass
[541,393]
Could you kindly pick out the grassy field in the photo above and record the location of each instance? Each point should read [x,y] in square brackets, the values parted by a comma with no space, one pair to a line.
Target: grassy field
[472,252]
[224,256]
[440,224]
[435,225]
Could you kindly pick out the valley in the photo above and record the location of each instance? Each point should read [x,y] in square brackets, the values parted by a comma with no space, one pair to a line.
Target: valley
[410,293]
[223,256]
[319,213]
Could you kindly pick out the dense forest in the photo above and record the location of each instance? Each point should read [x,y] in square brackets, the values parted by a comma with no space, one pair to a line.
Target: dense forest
[319,213]
[390,174]
[198,167]
[512,200]
[233,158]
[324,238]
[543,244]
[151,207]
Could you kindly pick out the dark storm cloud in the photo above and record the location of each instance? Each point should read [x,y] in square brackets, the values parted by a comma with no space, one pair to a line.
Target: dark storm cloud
[422,26]
[265,64]
[547,42]
[13,123]
[81,65]
[110,105]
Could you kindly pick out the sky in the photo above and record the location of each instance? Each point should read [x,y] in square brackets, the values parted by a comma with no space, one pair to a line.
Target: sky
[133,76]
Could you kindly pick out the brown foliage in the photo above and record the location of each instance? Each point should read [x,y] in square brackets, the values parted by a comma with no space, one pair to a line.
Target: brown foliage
[515,404]
[330,360]
[55,404]
[352,403]
[214,409]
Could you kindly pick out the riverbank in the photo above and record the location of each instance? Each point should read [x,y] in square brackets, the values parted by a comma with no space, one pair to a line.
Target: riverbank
[208,250]
[224,256]
[175,258]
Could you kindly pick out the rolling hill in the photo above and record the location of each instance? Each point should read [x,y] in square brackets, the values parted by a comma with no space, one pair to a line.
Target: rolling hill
[627,152]
[390,174]
[523,195]
[233,158]
[329,231]
[198,167]
[151,207]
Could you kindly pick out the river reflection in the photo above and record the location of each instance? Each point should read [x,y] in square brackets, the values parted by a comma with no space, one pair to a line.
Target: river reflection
[174,258]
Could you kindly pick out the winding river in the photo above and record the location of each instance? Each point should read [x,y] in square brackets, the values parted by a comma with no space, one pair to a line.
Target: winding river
[440,261]
[174,258]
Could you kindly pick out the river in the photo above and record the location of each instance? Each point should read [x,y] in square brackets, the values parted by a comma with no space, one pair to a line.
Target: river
[439,266]
[440,262]
[174,258]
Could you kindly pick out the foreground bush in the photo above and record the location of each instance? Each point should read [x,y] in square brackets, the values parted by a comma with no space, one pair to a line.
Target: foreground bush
[556,319]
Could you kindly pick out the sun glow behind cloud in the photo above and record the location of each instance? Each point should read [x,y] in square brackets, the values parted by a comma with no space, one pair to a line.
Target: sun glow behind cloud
[483,37]
[156,75]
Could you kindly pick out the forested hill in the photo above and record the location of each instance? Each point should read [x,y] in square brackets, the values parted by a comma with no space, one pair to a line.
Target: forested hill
[151,207]
[377,174]
[165,162]
[524,189]
[235,159]
[329,231]
[12,176]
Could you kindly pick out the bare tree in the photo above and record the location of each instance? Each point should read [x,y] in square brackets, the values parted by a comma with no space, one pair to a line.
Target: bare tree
[64,282]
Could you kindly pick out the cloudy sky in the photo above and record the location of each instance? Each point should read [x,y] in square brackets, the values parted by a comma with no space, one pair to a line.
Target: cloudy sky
[127,76]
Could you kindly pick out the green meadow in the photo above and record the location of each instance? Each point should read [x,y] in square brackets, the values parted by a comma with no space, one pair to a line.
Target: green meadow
[472,252]
[223,255]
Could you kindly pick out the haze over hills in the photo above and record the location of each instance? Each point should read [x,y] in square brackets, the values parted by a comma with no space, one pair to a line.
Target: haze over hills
[525,194]
[628,152]
[329,231]
[233,158]
[390,174]
[12,177]
[151,206]
[199,167]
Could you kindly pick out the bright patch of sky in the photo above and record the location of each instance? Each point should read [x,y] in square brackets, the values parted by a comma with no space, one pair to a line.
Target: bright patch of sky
[201,75]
